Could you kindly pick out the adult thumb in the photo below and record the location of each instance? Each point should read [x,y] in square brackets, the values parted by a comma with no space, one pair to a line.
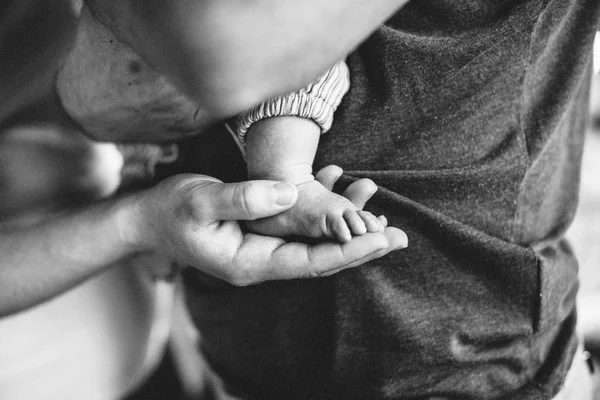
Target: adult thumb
[252,199]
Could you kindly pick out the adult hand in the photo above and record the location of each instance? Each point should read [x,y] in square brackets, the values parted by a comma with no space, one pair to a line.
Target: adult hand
[193,218]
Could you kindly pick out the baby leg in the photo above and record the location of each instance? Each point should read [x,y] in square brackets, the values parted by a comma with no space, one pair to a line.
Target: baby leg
[319,213]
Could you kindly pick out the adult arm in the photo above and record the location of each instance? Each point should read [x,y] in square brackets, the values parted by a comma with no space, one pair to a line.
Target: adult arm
[229,55]
[188,217]
[39,261]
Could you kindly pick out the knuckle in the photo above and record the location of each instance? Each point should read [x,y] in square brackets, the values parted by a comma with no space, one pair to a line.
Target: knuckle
[245,198]
[187,198]
[350,212]
[188,209]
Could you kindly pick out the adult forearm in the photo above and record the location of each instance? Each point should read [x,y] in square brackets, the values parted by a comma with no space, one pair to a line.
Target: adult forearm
[189,218]
[231,54]
[42,260]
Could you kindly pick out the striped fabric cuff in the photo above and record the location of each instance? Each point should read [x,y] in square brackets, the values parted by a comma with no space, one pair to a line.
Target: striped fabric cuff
[318,101]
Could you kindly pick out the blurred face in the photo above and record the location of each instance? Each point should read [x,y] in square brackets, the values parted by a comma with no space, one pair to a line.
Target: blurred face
[43,168]
[110,91]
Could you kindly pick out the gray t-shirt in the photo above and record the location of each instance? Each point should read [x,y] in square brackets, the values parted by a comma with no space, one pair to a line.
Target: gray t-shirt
[469,115]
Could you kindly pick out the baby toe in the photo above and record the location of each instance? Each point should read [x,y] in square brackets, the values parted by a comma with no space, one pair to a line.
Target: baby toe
[371,222]
[338,228]
[355,222]
[383,220]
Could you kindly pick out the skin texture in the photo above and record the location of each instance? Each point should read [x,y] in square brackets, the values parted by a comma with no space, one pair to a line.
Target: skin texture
[283,148]
[229,55]
[116,96]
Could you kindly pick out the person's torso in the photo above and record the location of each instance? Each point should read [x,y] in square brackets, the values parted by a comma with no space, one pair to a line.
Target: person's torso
[470,117]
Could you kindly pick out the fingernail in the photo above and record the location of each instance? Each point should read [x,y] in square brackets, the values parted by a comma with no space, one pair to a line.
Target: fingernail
[400,241]
[286,193]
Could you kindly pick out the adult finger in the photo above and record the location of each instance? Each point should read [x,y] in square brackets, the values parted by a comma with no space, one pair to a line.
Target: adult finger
[246,200]
[329,175]
[360,192]
[398,240]
[296,260]
[253,259]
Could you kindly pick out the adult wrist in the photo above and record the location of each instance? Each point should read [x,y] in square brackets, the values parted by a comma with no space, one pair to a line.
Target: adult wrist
[132,222]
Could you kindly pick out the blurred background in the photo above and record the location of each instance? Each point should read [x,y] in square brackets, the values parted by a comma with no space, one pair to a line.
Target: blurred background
[584,234]
[585,231]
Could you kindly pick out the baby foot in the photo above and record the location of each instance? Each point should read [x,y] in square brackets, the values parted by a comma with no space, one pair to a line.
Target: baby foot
[319,213]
